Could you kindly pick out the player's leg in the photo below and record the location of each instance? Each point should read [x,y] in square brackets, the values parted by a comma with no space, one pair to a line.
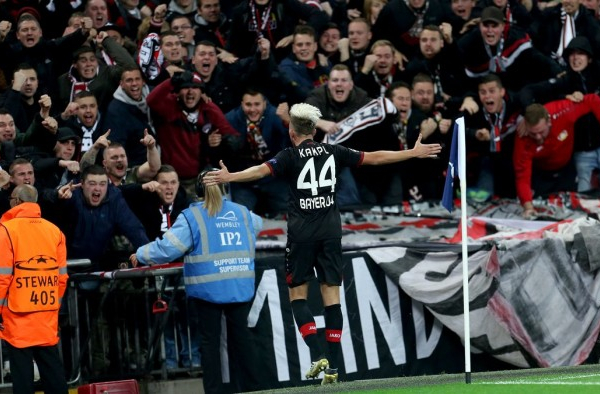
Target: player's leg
[329,272]
[299,270]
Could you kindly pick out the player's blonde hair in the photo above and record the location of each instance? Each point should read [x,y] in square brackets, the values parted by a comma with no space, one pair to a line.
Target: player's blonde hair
[304,118]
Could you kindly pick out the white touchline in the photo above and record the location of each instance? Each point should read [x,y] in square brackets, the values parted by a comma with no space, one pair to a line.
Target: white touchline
[540,383]
[549,380]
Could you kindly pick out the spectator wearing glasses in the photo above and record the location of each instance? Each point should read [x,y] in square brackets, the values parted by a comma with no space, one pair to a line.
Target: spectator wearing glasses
[183,27]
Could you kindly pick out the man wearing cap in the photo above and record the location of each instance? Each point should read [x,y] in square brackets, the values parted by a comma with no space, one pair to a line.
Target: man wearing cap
[60,167]
[190,130]
[56,169]
[557,26]
[582,76]
[505,50]
[87,74]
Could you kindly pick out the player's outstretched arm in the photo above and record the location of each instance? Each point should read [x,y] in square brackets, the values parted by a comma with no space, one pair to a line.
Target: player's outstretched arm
[224,176]
[386,156]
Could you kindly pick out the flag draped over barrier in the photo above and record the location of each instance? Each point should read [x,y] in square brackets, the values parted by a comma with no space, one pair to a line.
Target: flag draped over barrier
[533,303]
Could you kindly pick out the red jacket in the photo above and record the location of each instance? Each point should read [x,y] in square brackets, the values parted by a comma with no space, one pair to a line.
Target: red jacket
[180,146]
[33,277]
[557,149]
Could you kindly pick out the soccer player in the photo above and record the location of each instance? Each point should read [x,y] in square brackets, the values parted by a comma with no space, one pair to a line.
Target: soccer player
[314,224]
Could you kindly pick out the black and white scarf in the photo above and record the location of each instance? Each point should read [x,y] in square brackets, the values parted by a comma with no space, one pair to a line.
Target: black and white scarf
[417,26]
[372,113]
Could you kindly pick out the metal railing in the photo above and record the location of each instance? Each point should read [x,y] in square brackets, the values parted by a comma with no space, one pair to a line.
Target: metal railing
[127,323]
[134,322]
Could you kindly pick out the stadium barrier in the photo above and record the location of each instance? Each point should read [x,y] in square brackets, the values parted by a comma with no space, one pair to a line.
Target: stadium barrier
[111,329]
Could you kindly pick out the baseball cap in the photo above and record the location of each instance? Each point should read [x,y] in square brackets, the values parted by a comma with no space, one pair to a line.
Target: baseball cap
[66,133]
[492,14]
[112,26]
[580,43]
[186,79]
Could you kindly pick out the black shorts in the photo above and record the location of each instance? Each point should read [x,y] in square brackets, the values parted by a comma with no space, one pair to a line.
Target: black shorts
[303,259]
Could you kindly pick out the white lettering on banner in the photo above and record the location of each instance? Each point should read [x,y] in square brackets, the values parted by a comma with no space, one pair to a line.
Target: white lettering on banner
[267,292]
[368,299]
[350,364]
[349,356]
[425,346]
[370,305]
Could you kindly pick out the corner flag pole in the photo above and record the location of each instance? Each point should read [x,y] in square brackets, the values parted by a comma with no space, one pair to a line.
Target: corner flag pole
[462,175]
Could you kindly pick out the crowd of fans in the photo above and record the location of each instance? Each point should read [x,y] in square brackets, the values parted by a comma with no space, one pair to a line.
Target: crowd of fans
[210,80]
[111,108]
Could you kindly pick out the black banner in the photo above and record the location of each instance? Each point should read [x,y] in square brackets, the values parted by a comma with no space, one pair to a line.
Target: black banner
[386,333]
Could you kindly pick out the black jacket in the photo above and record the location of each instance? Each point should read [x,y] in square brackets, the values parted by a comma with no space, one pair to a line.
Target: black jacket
[547,29]
[146,206]
[285,14]
[587,128]
[396,19]
[523,63]
[50,58]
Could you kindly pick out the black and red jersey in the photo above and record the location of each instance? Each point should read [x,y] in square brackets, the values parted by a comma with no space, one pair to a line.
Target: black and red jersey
[310,170]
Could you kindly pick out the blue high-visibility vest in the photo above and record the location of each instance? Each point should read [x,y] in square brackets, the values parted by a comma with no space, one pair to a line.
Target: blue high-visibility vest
[220,267]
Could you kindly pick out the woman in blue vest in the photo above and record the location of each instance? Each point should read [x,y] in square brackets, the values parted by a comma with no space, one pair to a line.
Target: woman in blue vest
[216,239]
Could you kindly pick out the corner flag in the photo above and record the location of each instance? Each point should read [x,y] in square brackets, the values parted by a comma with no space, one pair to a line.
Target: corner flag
[451,173]
[457,166]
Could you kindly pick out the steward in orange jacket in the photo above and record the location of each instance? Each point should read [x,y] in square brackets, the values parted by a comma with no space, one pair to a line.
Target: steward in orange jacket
[33,279]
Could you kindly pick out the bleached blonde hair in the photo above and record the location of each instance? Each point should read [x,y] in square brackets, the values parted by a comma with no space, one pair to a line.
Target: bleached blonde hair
[304,118]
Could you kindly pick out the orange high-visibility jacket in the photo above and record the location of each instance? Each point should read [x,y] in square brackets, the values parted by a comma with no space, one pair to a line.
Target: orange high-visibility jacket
[33,277]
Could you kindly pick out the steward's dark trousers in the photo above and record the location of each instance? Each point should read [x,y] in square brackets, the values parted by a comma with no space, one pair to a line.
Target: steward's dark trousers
[241,349]
[48,362]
